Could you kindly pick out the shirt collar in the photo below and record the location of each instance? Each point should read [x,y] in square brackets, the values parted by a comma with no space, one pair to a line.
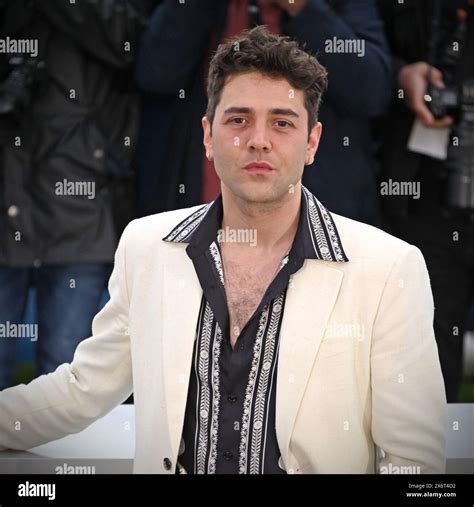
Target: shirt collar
[316,237]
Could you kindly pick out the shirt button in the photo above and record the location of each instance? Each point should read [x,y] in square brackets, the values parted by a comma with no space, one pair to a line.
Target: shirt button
[167,464]
[276,307]
[13,211]
[231,398]
[228,455]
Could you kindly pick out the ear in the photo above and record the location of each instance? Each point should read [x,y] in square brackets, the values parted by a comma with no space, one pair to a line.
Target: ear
[207,139]
[313,142]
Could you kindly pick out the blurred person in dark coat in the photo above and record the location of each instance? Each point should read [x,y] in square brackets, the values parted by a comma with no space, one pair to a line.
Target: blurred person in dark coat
[433,49]
[68,125]
[348,39]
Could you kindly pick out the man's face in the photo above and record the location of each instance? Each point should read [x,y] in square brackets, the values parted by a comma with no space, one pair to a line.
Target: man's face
[260,119]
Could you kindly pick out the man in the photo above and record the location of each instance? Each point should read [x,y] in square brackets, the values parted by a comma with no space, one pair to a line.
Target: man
[68,124]
[347,36]
[295,351]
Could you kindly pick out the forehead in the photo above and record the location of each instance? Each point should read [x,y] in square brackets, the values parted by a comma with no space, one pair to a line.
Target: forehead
[258,91]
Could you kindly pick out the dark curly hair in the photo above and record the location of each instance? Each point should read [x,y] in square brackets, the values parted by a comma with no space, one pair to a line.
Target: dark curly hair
[272,55]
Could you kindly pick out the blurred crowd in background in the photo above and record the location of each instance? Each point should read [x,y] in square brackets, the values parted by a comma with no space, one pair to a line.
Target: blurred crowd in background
[100,122]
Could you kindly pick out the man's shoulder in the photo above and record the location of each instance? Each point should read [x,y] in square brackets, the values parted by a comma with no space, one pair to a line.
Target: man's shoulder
[153,228]
[361,240]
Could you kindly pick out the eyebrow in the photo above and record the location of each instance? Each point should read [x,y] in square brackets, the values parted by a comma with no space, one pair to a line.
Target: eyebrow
[275,111]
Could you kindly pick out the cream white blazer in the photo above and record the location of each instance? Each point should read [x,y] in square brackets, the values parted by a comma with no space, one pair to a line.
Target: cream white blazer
[358,364]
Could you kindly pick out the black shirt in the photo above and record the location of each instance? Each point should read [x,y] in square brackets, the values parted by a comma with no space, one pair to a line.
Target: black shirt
[229,424]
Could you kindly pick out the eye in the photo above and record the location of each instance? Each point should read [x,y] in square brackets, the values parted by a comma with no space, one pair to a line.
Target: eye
[283,123]
[238,120]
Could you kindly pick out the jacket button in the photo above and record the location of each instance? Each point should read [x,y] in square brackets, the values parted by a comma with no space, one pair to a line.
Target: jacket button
[167,464]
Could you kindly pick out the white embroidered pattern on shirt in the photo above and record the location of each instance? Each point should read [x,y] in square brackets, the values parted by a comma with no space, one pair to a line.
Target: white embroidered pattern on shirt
[247,405]
[316,228]
[332,232]
[258,391]
[265,384]
[185,228]
[206,398]
[216,255]
[317,219]
[216,396]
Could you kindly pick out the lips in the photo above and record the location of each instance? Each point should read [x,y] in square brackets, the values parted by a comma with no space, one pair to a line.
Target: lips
[259,167]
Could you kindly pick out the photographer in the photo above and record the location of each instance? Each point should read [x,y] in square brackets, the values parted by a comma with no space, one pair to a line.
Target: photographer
[429,148]
[68,120]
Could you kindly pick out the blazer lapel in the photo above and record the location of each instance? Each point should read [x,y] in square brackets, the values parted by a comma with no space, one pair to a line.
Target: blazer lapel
[310,299]
[181,299]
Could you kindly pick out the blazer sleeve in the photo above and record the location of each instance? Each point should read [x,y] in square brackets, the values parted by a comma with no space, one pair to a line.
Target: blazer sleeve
[76,394]
[409,410]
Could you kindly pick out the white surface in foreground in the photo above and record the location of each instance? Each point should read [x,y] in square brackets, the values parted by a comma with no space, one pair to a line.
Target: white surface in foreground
[113,437]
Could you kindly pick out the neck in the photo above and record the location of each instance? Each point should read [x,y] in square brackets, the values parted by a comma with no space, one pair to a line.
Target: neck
[274,223]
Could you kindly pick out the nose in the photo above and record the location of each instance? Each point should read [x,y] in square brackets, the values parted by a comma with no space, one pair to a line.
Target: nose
[259,140]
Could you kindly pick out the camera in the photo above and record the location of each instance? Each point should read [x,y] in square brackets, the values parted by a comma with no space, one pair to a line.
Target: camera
[458,102]
[442,101]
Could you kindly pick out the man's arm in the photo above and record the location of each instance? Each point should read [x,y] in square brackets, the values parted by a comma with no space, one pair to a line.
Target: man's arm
[409,411]
[358,85]
[75,395]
